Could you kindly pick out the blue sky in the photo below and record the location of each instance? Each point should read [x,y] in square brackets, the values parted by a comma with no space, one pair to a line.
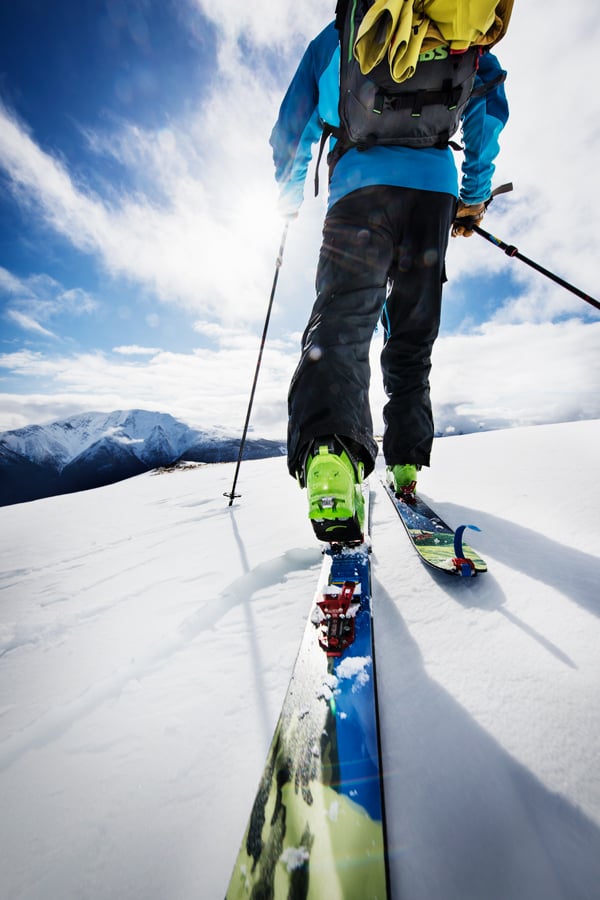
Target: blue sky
[138,222]
[70,71]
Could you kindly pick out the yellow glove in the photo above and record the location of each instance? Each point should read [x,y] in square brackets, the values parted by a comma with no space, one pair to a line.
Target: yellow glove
[466,217]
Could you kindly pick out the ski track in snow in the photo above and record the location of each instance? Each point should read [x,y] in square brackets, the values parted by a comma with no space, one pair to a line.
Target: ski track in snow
[147,637]
[53,724]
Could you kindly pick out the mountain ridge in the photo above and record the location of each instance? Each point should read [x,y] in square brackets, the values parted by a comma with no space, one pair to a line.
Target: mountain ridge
[94,449]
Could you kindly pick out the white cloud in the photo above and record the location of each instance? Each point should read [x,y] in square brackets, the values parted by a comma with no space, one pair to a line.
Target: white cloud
[205,388]
[499,376]
[204,236]
[503,375]
[549,151]
[210,243]
[28,324]
[264,23]
[212,330]
[523,374]
[135,350]
[9,283]
[39,298]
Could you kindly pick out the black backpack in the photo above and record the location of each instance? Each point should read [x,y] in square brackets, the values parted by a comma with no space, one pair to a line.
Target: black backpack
[423,111]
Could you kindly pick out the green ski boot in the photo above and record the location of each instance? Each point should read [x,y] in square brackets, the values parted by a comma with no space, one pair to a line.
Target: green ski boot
[335,500]
[403,480]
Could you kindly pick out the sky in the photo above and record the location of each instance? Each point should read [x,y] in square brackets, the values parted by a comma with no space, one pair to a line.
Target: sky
[149,632]
[139,228]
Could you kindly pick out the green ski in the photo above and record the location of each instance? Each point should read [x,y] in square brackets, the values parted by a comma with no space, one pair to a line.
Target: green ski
[438,545]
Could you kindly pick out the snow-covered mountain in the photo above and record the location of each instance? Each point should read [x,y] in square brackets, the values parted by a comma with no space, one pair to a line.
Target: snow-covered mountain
[95,449]
[147,637]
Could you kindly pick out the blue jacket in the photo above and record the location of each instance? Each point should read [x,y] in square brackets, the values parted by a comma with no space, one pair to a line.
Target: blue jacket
[313,97]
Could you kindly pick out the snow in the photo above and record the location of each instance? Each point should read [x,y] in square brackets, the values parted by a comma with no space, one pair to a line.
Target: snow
[148,632]
[294,857]
[356,670]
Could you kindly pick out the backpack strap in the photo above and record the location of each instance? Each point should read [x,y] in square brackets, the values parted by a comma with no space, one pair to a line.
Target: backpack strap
[325,135]
[484,89]
[340,14]
[341,145]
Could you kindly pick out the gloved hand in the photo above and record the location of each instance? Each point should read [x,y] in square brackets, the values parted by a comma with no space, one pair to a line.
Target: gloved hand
[466,217]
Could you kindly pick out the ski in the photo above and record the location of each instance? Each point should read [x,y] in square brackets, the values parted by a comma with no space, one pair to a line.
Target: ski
[317,828]
[438,545]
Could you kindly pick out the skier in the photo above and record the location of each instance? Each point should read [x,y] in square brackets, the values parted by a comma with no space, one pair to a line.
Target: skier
[390,212]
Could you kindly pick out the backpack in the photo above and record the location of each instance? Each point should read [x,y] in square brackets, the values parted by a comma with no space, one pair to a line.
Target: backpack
[424,110]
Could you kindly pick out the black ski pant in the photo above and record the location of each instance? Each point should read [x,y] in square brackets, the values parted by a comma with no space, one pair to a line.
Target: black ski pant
[382,256]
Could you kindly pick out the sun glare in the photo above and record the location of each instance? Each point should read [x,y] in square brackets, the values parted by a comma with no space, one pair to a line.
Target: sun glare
[256,218]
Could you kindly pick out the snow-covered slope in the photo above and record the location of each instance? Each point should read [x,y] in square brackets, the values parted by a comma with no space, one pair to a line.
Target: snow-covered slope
[147,636]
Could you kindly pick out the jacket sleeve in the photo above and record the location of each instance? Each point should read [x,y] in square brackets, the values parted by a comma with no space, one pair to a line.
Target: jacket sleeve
[298,126]
[484,119]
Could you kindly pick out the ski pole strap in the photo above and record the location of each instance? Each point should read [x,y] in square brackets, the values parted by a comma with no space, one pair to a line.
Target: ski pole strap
[469,222]
[502,189]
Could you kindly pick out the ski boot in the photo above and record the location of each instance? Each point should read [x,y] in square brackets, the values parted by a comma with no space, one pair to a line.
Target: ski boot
[403,480]
[335,499]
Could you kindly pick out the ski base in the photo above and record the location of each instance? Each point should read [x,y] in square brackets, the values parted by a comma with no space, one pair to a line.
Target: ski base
[438,545]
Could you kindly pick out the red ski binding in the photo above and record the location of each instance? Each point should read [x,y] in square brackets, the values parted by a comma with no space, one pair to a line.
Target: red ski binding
[336,629]
[464,566]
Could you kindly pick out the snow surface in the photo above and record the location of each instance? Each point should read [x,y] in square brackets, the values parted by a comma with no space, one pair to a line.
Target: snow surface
[148,633]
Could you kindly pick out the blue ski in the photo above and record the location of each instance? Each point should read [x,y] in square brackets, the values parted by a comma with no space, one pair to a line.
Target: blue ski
[317,825]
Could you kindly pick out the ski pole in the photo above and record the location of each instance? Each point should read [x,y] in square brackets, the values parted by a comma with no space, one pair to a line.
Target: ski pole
[232,494]
[514,253]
